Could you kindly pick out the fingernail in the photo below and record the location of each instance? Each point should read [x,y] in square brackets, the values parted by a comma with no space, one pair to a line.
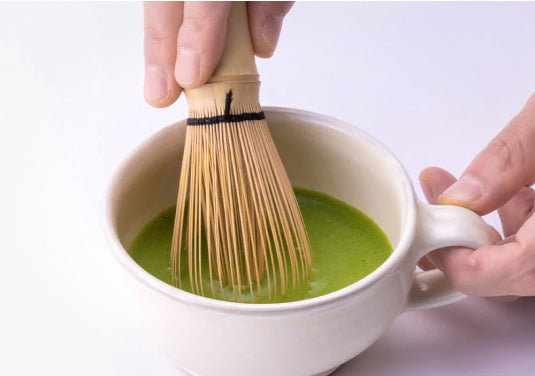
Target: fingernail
[467,190]
[187,67]
[156,86]
[271,30]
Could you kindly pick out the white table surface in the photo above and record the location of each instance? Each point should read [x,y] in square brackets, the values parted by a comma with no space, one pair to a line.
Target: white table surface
[434,82]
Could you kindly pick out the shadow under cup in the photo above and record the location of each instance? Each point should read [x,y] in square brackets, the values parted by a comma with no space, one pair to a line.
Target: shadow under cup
[311,337]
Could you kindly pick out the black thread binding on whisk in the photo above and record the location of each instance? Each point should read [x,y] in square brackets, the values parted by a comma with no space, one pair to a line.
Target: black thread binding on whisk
[227,117]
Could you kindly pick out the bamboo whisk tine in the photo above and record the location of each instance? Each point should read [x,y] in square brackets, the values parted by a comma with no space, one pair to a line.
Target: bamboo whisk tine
[237,218]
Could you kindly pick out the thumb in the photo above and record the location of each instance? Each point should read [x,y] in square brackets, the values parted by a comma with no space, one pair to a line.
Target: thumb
[501,169]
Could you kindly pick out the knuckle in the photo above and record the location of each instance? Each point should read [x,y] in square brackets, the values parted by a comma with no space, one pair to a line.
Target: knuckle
[194,33]
[467,274]
[192,24]
[152,36]
[155,37]
[522,204]
[509,150]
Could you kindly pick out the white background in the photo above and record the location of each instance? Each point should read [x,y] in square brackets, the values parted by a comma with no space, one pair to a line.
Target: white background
[433,82]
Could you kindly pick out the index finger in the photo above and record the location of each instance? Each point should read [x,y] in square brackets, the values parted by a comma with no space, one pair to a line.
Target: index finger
[501,169]
[162,20]
[498,270]
[200,42]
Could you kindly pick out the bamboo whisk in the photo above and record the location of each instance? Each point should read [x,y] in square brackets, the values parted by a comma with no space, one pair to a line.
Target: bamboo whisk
[237,218]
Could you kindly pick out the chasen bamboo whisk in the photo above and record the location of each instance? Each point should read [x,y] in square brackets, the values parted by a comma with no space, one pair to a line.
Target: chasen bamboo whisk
[237,218]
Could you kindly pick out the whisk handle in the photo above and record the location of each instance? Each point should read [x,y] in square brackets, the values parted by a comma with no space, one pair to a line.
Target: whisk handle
[235,75]
[237,62]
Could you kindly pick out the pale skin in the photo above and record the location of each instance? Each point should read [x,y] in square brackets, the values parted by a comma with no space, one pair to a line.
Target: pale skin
[183,43]
[499,178]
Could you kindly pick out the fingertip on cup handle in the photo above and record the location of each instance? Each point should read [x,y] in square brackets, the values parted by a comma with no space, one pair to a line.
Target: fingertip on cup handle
[443,226]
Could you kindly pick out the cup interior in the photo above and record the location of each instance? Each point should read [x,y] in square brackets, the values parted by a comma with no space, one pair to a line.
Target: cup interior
[319,153]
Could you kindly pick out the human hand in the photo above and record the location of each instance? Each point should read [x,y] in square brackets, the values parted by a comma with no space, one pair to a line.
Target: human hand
[500,177]
[184,42]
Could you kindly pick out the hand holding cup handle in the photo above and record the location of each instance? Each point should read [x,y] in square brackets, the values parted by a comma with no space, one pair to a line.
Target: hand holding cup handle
[440,227]
[499,178]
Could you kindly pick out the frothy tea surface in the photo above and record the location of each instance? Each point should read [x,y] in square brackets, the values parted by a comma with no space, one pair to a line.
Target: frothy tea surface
[346,245]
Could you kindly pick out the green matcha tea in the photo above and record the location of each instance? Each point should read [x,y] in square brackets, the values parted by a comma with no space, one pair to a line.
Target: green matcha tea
[346,246]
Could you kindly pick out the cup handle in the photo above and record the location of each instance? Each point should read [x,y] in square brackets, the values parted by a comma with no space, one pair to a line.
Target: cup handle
[443,226]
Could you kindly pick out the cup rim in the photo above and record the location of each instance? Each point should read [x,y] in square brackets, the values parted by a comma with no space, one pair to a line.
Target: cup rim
[317,303]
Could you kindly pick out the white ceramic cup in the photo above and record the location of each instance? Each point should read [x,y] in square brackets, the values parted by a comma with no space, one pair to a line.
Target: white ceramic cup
[207,337]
